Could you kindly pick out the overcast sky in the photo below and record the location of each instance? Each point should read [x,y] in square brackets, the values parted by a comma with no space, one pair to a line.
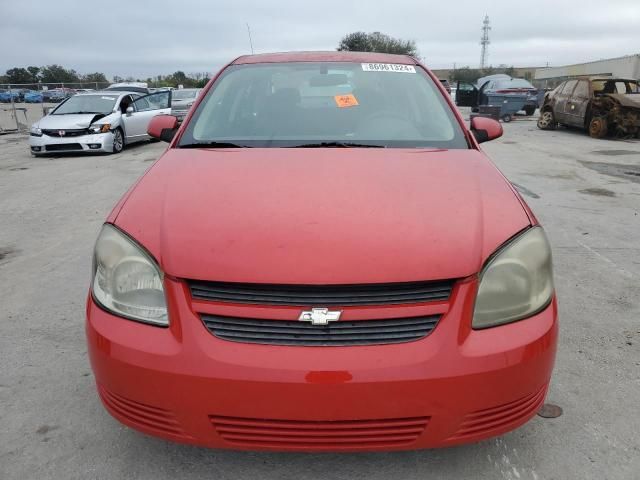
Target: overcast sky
[150,38]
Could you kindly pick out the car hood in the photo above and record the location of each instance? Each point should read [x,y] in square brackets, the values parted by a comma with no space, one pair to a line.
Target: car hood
[321,216]
[71,121]
[627,100]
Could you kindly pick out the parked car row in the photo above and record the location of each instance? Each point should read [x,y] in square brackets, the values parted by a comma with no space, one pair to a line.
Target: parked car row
[54,95]
[17,95]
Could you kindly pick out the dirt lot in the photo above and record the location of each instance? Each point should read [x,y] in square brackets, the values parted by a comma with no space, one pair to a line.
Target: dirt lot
[587,194]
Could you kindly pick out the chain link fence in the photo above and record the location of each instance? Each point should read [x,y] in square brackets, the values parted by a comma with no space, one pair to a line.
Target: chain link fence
[21,105]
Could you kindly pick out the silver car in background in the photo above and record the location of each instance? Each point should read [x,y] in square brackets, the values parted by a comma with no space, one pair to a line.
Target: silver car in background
[182,100]
[101,121]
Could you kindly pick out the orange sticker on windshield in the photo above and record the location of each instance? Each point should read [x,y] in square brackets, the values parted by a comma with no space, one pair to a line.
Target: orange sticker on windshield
[344,101]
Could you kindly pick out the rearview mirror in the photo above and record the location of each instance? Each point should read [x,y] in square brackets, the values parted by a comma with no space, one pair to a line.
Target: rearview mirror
[485,129]
[329,80]
[163,127]
[129,110]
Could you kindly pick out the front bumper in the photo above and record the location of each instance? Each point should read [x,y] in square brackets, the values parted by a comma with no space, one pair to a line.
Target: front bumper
[455,386]
[91,143]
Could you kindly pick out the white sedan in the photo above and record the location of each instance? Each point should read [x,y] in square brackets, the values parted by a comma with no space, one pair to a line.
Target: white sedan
[103,121]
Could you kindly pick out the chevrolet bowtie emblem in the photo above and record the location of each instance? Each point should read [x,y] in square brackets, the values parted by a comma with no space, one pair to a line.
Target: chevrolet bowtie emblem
[319,316]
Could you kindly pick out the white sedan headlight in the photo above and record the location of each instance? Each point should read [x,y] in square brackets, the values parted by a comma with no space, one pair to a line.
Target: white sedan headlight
[35,131]
[517,283]
[126,280]
[103,128]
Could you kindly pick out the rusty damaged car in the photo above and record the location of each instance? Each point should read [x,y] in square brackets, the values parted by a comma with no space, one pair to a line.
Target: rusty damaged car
[601,105]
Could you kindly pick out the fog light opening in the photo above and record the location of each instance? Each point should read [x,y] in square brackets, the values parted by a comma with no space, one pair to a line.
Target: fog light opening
[36,149]
[94,146]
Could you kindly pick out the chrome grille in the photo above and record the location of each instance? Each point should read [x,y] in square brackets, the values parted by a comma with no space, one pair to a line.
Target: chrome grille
[67,133]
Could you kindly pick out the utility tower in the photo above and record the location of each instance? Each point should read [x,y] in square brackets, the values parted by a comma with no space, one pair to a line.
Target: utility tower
[484,41]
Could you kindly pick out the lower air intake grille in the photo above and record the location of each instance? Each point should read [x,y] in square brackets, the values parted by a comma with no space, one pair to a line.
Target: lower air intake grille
[251,432]
[59,147]
[140,415]
[492,420]
[341,333]
[325,295]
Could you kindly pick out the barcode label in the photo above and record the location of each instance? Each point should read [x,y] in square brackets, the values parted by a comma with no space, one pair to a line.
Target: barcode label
[388,67]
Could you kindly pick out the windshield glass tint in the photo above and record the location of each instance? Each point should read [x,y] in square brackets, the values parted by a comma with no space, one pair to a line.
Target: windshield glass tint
[291,104]
[184,94]
[514,83]
[87,104]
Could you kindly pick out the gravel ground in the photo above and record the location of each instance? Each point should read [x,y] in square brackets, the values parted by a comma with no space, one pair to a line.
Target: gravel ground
[52,426]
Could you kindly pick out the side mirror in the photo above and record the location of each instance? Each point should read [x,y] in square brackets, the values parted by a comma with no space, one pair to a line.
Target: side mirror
[163,127]
[129,110]
[485,129]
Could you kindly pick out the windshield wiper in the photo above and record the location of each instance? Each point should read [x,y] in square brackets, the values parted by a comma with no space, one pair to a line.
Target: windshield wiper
[337,145]
[212,145]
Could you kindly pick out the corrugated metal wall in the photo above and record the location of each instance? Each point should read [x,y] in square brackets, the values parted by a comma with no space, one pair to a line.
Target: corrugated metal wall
[625,67]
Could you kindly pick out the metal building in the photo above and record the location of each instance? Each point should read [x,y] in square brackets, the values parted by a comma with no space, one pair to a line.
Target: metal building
[623,67]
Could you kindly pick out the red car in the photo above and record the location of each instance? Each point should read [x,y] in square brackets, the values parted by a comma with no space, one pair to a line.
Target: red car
[322,259]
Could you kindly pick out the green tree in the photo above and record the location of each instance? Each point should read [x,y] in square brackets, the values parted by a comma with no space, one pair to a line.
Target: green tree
[355,42]
[377,42]
[58,74]
[18,75]
[180,78]
[35,73]
[96,77]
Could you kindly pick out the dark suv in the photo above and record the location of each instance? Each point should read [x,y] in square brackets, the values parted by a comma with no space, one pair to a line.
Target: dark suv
[600,105]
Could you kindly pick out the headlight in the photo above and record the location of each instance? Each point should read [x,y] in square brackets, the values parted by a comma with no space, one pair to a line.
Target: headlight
[35,131]
[517,283]
[126,280]
[100,128]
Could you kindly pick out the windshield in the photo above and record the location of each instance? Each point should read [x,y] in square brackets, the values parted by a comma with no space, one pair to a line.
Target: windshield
[184,94]
[309,104]
[87,104]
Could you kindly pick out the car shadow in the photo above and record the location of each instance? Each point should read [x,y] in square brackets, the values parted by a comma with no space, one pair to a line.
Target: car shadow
[583,133]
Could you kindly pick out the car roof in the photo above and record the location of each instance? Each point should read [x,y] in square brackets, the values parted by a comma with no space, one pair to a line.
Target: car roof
[601,78]
[615,79]
[328,56]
